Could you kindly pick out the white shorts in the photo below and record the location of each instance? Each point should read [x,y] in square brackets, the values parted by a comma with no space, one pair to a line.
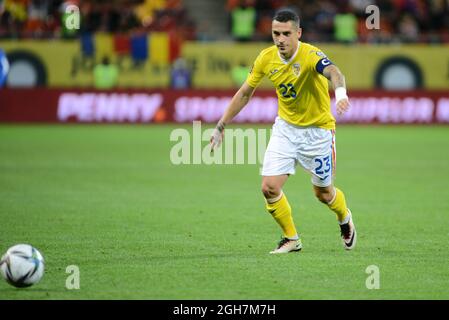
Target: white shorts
[313,148]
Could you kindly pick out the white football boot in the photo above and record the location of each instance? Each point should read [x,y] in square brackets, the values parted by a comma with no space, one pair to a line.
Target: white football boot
[286,245]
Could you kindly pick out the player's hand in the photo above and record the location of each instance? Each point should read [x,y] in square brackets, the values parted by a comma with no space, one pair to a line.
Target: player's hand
[217,137]
[342,106]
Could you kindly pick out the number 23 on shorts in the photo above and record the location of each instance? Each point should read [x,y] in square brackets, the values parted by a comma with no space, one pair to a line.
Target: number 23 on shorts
[323,166]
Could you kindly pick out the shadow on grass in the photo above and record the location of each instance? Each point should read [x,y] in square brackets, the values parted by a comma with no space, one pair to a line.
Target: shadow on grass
[255,255]
[206,256]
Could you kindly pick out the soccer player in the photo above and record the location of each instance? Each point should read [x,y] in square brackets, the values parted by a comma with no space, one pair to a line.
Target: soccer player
[304,130]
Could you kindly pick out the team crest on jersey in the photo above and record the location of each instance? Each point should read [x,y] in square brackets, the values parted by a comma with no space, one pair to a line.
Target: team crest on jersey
[296,69]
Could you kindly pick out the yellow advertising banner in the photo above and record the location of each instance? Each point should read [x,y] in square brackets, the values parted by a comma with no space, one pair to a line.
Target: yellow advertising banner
[212,63]
[66,67]
[359,63]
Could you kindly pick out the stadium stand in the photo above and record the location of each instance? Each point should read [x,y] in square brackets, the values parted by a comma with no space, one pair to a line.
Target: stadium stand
[424,21]
[44,18]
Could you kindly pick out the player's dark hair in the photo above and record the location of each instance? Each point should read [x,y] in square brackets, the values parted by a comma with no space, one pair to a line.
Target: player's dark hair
[286,15]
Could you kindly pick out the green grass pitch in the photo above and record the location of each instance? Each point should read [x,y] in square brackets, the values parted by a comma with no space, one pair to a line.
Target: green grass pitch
[108,200]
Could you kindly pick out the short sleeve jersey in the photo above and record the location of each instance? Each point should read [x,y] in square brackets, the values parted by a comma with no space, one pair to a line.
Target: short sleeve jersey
[302,90]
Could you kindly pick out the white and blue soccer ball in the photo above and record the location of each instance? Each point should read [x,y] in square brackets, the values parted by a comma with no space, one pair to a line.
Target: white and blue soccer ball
[22,265]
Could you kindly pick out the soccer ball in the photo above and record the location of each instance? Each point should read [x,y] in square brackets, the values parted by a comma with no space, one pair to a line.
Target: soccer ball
[22,265]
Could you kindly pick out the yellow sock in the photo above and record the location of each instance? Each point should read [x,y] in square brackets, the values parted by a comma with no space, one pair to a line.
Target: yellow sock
[282,213]
[338,205]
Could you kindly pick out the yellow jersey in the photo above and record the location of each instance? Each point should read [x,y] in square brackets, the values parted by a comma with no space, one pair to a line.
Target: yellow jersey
[303,92]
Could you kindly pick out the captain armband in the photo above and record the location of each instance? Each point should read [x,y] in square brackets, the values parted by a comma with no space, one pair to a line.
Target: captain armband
[323,63]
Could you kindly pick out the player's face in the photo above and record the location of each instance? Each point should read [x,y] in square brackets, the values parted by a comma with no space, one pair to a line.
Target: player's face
[285,37]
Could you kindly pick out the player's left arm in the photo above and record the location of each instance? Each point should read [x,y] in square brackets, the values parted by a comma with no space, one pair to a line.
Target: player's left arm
[337,78]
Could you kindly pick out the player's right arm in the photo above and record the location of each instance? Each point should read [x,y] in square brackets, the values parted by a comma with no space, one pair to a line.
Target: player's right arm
[238,102]
[240,99]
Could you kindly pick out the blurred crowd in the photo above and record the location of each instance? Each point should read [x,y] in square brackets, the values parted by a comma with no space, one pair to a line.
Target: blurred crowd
[424,21]
[47,18]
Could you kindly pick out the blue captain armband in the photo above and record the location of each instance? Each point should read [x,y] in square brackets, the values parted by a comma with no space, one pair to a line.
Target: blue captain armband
[323,63]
